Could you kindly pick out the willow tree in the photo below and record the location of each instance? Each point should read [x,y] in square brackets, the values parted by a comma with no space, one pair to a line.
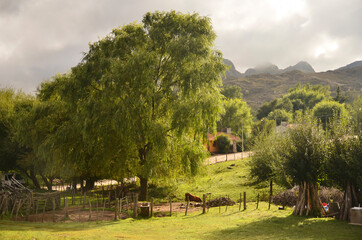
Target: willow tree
[344,167]
[304,161]
[14,155]
[295,157]
[146,94]
[326,110]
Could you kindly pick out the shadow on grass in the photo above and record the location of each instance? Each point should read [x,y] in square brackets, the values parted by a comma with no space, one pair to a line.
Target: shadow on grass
[290,227]
[52,227]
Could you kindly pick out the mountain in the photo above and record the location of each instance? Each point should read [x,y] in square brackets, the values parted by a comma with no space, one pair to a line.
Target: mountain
[352,65]
[232,73]
[301,66]
[264,87]
[265,68]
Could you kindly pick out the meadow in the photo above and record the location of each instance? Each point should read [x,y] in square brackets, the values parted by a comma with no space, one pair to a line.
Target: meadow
[216,223]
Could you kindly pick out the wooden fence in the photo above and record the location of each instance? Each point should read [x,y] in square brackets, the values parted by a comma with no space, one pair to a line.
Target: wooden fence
[92,206]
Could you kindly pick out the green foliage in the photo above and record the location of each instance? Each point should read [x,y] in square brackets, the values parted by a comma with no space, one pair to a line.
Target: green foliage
[267,163]
[356,115]
[236,116]
[260,129]
[232,92]
[280,115]
[14,154]
[8,149]
[141,100]
[340,97]
[305,152]
[296,156]
[266,108]
[326,110]
[297,99]
[344,165]
[224,143]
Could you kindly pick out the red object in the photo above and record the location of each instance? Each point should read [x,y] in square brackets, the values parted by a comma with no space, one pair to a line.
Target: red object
[192,198]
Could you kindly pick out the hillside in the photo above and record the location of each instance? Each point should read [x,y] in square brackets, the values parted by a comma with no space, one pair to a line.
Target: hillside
[231,73]
[260,88]
[352,65]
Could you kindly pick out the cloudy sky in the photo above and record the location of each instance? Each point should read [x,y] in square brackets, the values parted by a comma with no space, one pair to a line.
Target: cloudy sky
[39,38]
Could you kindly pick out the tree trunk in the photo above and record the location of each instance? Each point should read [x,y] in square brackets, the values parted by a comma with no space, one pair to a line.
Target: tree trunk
[349,200]
[144,189]
[74,183]
[309,202]
[47,182]
[89,185]
[34,179]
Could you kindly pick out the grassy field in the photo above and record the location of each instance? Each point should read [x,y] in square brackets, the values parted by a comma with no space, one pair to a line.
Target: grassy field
[218,223]
[249,224]
[219,180]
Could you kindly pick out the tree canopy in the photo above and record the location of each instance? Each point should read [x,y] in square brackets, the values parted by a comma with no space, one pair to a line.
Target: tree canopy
[326,110]
[297,156]
[299,98]
[142,99]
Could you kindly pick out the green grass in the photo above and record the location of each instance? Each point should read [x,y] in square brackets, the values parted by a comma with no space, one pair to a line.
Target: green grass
[215,224]
[249,224]
[218,180]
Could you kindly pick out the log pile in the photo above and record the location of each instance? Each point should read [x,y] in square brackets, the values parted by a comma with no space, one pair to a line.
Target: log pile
[290,196]
[222,201]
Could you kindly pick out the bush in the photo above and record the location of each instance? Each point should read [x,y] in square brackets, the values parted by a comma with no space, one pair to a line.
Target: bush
[224,143]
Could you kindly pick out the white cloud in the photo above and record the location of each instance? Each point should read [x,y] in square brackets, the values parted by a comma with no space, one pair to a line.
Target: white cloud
[41,37]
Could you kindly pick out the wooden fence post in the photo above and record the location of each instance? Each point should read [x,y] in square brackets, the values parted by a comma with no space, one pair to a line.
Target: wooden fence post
[226,208]
[204,203]
[270,193]
[151,207]
[60,201]
[116,209]
[4,207]
[170,206]
[97,209]
[240,203]
[208,207]
[127,205]
[109,199]
[2,201]
[63,199]
[220,205]
[244,200]
[104,206]
[12,211]
[73,196]
[102,194]
[53,202]
[17,210]
[66,216]
[84,198]
[27,210]
[36,210]
[135,206]
[90,210]
[187,204]
[257,201]
[45,203]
